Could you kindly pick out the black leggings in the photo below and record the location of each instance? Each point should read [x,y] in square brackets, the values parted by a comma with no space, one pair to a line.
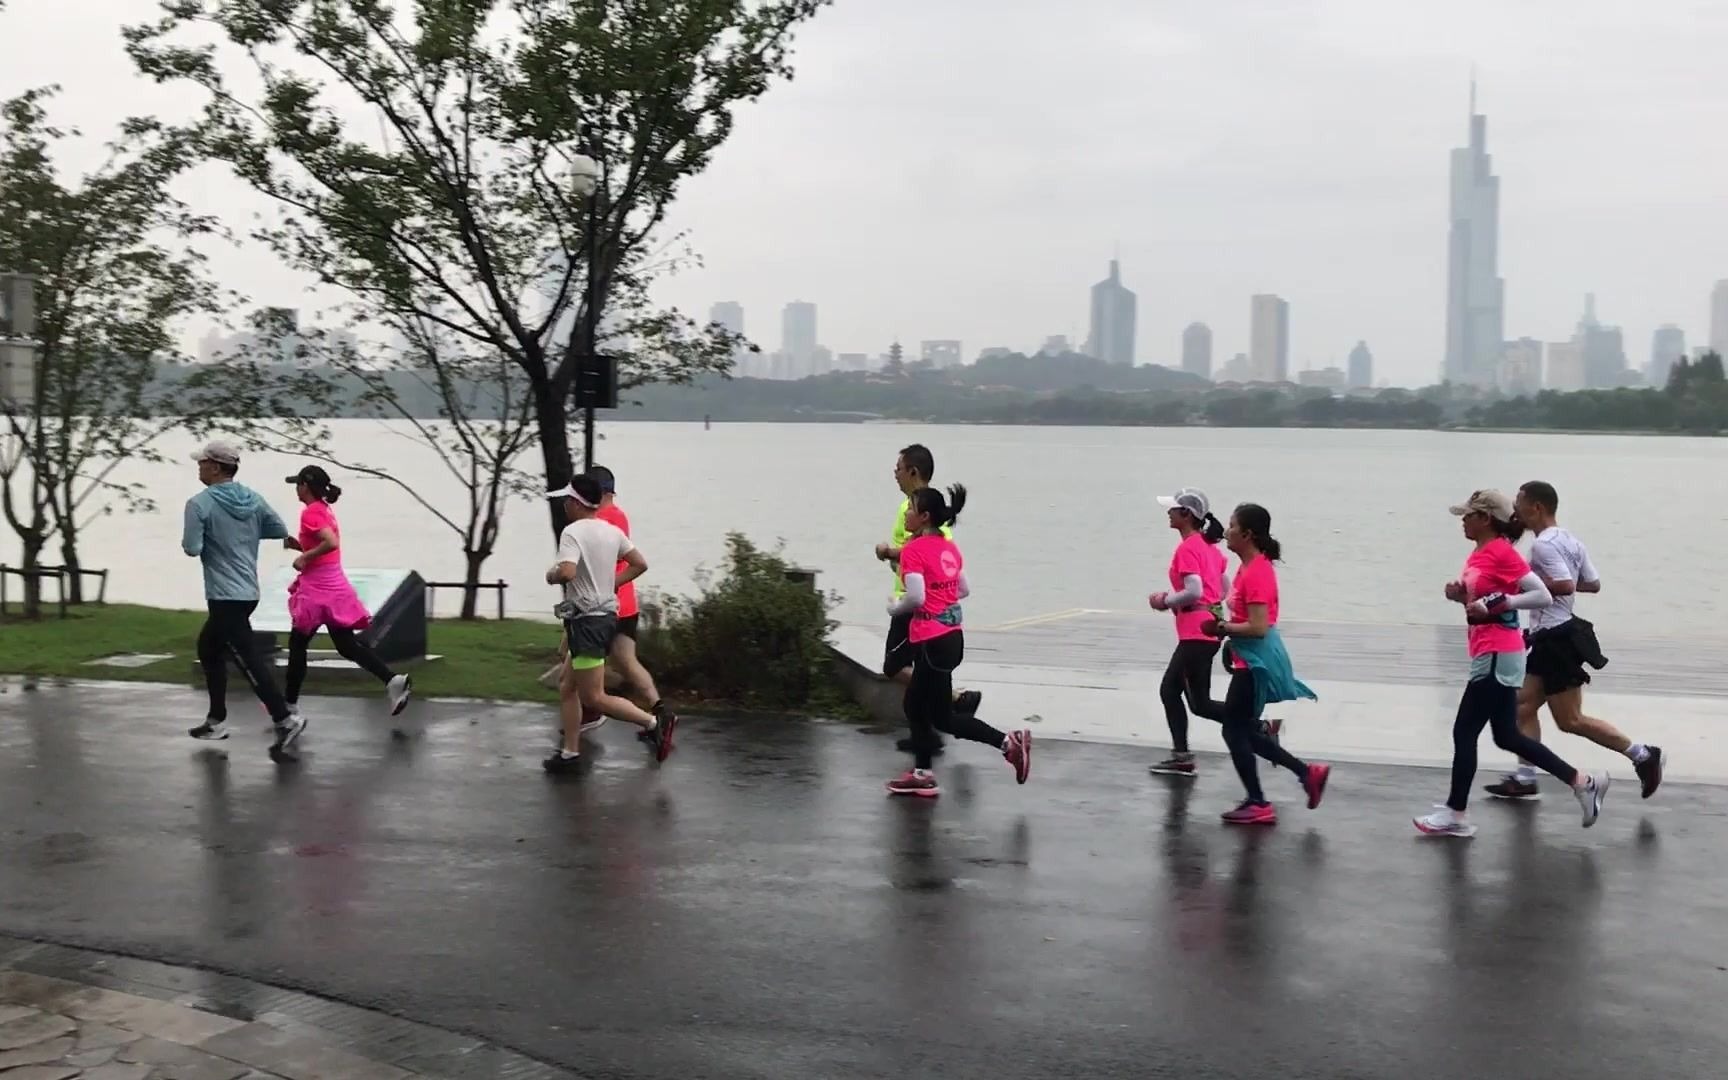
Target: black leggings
[929,700]
[227,633]
[1243,736]
[1188,678]
[1487,703]
[352,649]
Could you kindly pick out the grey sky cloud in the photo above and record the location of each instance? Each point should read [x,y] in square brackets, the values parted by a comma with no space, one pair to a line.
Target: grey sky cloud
[964,168]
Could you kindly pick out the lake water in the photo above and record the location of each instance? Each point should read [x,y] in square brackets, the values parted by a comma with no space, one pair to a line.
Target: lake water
[1059,518]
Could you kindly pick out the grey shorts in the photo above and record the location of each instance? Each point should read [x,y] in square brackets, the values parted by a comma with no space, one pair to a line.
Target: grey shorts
[590,638]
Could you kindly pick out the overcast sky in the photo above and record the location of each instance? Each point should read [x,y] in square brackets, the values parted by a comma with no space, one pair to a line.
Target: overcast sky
[966,168]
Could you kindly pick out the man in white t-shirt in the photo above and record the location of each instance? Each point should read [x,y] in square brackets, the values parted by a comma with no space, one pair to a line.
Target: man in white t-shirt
[589,551]
[1561,644]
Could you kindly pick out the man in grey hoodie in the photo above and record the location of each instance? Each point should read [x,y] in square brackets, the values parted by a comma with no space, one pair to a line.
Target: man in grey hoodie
[224,524]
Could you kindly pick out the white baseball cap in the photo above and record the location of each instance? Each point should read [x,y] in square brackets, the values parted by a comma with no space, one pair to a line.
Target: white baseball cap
[222,453]
[1192,500]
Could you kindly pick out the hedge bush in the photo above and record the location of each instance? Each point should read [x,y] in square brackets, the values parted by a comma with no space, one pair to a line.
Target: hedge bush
[753,636]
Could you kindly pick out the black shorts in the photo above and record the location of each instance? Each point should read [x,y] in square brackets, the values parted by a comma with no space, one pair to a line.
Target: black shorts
[1556,661]
[590,638]
[627,626]
[899,653]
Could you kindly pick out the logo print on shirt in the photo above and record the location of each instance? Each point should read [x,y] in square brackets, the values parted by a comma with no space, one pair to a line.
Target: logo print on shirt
[950,564]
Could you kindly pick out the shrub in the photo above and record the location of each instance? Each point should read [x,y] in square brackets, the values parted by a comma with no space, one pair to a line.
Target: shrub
[754,636]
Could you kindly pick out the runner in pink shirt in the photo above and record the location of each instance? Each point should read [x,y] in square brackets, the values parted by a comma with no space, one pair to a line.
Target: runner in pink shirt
[1496,584]
[1197,583]
[934,577]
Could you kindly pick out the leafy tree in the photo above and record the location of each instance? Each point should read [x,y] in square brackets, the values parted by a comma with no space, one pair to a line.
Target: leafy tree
[116,279]
[471,212]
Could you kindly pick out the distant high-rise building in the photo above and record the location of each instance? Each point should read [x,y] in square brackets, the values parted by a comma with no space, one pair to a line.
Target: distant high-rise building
[1667,345]
[1237,370]
[798,338]
[1475,292]
[1268,339]
[1113,317]
[1719,319]
[1361,371]
[940,353]
[729,314]
[1197,350]
[852,361]
[1565,366]
[1056,345]
[1521,367]
[1604,350]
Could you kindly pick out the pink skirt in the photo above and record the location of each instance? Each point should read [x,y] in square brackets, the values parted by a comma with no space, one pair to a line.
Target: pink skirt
[321,596]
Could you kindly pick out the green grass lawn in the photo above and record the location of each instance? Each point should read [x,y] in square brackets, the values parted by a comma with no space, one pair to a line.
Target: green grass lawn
[488,658]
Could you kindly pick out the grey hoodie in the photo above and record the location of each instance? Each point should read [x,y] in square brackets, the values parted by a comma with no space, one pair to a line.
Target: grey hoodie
[224,524]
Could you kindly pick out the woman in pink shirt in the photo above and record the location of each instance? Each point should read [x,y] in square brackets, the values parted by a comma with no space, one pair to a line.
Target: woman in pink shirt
[934,577]
[1197,583]
[322,596]
[1496,584]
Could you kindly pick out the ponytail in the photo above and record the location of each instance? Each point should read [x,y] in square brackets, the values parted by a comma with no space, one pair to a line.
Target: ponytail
[1256,521]
[956,503]
[943,512]
[331,493]
[1211,529]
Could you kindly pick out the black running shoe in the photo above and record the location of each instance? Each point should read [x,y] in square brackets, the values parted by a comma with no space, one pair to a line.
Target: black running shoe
[1650,771]
[1178,764]
[905,747]
[967,702]
[1511,787]
[559,765]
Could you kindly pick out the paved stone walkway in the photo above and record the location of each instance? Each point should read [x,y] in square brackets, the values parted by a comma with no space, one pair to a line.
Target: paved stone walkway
[62,1018]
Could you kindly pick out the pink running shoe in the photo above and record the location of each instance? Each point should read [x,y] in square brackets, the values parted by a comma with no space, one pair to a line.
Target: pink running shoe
[1315,783]
[1018,750]
[910,783]
[1251,814]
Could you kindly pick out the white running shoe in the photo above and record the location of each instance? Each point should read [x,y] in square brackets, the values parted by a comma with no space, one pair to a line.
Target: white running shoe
[401,689]
[210,730]
[1445,821]
[1592,795]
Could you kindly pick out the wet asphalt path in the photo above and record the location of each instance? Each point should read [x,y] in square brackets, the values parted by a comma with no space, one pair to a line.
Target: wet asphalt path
[757,908]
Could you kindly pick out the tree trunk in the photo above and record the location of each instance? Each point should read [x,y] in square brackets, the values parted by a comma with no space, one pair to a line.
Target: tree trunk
[551,415]
[69,558]
[471,583]
[33,545]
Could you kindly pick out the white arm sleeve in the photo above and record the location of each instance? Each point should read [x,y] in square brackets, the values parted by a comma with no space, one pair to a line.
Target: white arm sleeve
[912,599]
[1190,593]
[1531,594]
[965,586]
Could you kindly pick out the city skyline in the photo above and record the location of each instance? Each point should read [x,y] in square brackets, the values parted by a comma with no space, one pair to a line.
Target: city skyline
[1281,177]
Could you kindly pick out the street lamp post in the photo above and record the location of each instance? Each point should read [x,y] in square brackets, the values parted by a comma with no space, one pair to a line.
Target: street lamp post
[585,181]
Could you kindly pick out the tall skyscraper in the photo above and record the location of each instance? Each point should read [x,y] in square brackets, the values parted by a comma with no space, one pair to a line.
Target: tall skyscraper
[1667,345]
[1475,293]
[1197,350]
[1361,370]
[798,338]
[1268,339]
[1113,317]
[1719,319]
